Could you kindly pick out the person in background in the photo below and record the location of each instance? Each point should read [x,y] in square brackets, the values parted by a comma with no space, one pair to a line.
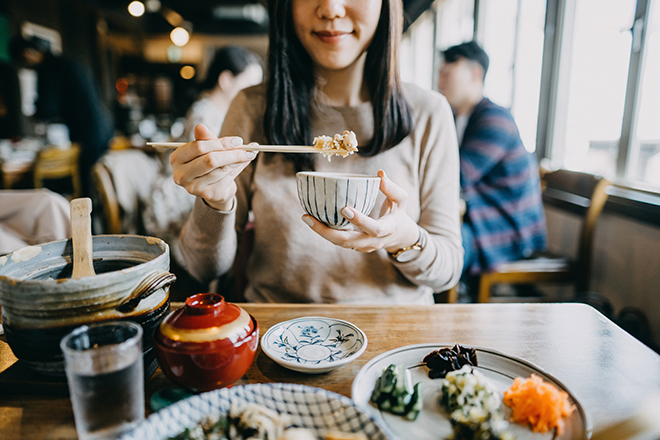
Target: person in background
[168,206]
[10,102]
[333,65]
[504,218]
[67,93]
[233,68]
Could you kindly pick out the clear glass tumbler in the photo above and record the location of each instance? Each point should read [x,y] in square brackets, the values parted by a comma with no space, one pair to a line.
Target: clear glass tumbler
[104,369]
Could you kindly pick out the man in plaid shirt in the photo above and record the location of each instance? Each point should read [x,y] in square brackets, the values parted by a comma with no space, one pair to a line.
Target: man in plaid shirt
[504,218]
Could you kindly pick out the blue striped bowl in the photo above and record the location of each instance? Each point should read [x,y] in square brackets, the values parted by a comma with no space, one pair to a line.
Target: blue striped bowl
[324,195]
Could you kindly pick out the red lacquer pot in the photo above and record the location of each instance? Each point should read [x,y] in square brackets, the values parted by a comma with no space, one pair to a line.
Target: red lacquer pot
[207,344]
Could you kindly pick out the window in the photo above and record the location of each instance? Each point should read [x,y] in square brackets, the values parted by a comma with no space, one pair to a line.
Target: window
[580,77]
[645,158]
[416,52]
[511,33]
[603,106]
[588,125]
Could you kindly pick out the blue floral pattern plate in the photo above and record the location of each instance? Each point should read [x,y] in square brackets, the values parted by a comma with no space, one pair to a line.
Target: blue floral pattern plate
[313,344]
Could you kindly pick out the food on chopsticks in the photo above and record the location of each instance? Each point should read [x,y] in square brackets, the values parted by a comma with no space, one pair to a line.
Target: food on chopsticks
[538,403]
[394,392]
[343,144]
[442,361]
[473,406]
[252,422]
[336,435]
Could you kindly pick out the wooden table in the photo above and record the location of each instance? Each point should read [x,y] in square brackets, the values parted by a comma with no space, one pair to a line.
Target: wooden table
[608,370]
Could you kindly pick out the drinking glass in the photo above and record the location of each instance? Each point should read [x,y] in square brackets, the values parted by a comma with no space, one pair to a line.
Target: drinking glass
[103,364]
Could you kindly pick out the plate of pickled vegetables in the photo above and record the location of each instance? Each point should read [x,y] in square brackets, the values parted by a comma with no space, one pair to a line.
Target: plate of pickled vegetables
[454,392]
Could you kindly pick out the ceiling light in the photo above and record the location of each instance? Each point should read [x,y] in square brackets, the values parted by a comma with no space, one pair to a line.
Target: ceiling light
[136,8]
[179,36]
[187,72]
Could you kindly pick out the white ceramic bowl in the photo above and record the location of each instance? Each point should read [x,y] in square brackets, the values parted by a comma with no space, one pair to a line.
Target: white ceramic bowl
[324,195]
[313,344]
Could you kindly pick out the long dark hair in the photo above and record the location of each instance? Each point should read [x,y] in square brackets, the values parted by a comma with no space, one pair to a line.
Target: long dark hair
[291,82]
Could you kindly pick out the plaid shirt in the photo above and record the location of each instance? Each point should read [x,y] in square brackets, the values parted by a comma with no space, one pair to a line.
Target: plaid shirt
[500,184]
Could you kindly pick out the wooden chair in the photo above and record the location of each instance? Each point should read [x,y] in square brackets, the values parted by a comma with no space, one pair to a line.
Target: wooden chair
[55,163]
[105,194]
[579,193]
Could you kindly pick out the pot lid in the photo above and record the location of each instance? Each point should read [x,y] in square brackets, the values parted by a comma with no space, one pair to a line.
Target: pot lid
[207,317]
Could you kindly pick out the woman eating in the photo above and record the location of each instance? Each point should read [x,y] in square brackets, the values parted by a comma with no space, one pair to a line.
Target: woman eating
[333,66]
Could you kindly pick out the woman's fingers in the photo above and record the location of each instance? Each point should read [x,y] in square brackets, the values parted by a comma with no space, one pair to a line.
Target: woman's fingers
[197,148]
[337,237]
[215,161]
[380,228]
[391,190]
[207,166]
[216,176]
[202,132]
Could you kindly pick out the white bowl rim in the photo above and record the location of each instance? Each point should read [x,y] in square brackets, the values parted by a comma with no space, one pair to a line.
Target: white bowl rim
[331,175]
[319,366]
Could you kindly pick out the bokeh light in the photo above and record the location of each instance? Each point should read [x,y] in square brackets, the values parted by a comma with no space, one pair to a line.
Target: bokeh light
[153,5]
[121,85]
[179,36]
[187,72]
[136,8]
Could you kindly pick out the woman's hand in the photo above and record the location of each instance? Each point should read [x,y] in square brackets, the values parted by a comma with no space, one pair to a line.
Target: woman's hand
[392,231]
[207,167]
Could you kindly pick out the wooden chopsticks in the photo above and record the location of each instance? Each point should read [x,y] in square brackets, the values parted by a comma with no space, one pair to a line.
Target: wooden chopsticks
[266,148]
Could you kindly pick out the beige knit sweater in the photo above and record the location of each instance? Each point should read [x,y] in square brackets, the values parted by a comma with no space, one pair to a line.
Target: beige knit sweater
[289,262]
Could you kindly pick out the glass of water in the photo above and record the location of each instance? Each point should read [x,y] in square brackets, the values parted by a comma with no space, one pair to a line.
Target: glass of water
[103,364]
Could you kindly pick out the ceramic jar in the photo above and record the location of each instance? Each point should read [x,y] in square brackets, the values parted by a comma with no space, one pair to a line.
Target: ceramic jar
[207,344]
[41,302]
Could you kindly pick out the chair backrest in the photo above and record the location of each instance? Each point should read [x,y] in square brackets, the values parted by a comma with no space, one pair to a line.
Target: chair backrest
[56,163]
[583,194]
[104,191]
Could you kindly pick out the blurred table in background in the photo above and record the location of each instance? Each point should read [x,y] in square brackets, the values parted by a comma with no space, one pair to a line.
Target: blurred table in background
[17,159]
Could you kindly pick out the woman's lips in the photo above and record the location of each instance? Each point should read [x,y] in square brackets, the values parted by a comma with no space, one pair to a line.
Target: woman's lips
[331,37]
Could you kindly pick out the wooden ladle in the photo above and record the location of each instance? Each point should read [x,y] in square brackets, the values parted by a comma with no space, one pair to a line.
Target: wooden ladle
[81,234]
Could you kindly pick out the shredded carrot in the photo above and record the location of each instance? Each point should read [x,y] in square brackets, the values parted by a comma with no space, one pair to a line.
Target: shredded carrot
[538,403]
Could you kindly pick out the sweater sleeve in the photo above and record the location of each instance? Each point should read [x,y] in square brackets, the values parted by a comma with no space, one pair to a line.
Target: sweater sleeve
[440,263]
[209,238]
[489,136]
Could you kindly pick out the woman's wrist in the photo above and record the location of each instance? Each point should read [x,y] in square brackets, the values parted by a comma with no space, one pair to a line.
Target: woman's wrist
[410,235]
[224,206]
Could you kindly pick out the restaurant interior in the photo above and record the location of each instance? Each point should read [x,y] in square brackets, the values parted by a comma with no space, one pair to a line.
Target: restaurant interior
[579,78]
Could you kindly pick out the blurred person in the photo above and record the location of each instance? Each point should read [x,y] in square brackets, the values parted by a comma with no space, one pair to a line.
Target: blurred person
[10,102]
[333,65]
[67,93]
[504,218]
[168,206]
[233,68]
[30,217]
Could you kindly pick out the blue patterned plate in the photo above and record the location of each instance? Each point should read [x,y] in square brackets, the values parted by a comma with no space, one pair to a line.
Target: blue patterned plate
[313,344]
[312,408]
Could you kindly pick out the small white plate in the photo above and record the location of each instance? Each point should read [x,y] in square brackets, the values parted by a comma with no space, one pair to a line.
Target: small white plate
[313,344]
